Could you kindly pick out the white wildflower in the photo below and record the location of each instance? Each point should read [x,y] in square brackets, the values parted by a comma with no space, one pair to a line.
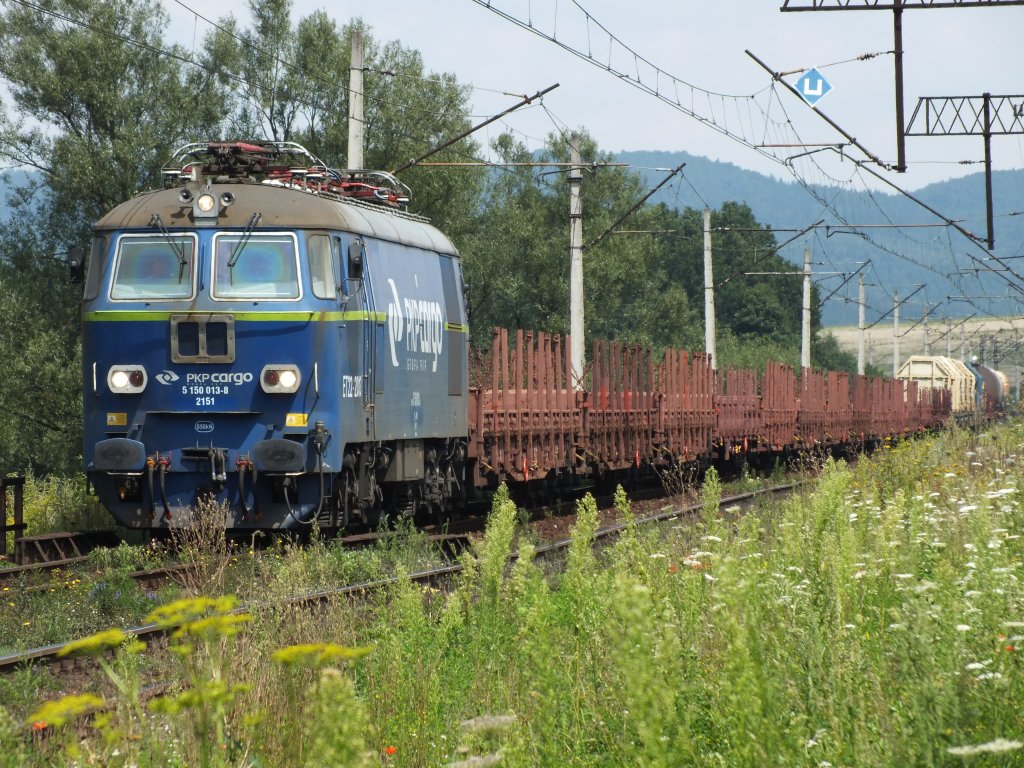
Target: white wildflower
[963,627]
[989,676]
[998,745]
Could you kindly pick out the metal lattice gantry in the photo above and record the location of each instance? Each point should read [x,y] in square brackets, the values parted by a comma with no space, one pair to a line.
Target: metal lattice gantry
[877,5]
[967,116]
[985,115]
[897,7]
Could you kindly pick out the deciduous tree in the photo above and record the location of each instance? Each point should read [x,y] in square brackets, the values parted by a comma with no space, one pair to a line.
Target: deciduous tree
[98,99]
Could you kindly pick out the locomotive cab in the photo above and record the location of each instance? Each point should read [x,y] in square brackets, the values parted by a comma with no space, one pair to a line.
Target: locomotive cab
[255,336]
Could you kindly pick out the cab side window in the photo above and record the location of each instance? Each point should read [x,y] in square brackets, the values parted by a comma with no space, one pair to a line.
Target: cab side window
[321,267]
[95,267]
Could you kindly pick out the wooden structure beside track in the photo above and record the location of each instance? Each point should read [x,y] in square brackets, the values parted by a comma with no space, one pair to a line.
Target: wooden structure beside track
[529,421]
[17,488]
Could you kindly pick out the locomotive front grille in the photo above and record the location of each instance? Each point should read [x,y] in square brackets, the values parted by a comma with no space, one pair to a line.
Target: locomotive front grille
[203,338]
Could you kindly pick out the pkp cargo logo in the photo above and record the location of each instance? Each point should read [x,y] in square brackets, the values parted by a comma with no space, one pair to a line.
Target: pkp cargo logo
[420,322]
[204,427]
[166,378]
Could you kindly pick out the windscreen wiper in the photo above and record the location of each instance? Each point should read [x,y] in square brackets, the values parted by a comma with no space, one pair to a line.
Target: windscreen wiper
[176,247]
[237,251]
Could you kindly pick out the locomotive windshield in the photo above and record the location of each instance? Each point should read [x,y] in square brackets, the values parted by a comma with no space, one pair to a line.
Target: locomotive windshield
[154,267]
[250,266]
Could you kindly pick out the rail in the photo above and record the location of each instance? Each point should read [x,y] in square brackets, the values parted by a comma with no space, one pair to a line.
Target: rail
[50,654]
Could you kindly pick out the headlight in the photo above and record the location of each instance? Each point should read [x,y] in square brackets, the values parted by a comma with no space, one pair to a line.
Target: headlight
[280,378]
[127,379]
[206,202]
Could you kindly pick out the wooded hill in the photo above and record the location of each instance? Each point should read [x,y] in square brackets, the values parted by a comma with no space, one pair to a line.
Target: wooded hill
[923,258]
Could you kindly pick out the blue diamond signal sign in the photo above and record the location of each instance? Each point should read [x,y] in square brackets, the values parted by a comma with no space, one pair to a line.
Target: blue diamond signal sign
[813,86]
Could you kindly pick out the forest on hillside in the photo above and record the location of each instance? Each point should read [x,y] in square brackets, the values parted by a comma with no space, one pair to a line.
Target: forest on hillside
[900,258]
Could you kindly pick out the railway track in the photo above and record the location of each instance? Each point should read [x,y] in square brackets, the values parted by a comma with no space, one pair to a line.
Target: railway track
[437,577]
[24,578]
[49,552]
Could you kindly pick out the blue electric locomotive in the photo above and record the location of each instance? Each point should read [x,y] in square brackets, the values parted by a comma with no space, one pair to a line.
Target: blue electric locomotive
[276,335]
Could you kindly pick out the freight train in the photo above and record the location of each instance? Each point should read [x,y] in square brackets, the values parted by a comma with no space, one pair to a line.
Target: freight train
[977,391]
[285,339]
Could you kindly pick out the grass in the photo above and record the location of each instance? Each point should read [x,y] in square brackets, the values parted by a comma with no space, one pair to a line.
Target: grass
[56,503]
[877,621]
[84,599]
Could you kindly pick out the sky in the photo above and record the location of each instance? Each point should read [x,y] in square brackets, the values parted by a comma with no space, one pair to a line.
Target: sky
[947,52]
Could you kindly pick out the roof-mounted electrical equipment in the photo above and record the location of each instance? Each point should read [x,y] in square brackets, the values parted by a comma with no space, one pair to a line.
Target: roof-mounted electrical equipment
[277,163]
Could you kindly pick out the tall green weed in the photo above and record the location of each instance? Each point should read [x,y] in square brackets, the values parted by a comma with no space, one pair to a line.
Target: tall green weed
[874,621]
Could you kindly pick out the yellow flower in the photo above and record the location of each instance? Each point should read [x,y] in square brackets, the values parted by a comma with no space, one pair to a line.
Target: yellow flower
[62,710]
[96,644]
[214,626]
[317,654]
[215,692]
[190,609]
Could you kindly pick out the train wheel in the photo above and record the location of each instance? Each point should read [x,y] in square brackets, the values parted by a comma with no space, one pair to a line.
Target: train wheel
[346,495]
